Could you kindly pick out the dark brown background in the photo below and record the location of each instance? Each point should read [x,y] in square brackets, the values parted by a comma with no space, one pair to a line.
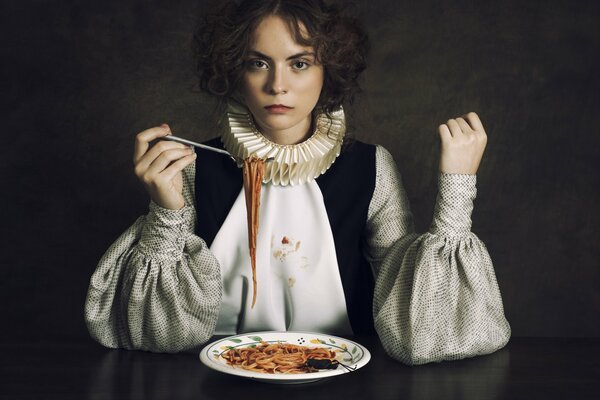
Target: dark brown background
[82,78]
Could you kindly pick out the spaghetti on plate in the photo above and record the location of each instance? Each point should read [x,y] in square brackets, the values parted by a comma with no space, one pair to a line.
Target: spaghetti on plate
[278,358]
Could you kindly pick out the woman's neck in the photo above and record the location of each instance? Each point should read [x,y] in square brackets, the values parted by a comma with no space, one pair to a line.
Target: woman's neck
[292,135]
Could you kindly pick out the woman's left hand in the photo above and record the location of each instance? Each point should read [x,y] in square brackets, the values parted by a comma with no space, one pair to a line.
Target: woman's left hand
[463,143]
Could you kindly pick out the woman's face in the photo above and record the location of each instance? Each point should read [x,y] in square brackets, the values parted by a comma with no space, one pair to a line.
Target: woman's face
[281,83]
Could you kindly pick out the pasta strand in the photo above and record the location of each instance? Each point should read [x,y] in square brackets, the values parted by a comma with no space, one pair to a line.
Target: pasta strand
[254,170]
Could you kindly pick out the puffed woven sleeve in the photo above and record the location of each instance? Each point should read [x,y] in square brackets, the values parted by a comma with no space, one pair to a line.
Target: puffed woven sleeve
[158,287]
[436,296]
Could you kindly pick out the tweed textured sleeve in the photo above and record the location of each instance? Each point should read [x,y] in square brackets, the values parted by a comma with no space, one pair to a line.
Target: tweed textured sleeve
[158,287]
[436,296]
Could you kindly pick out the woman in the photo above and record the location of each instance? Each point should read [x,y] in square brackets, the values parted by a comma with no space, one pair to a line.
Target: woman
[336,249]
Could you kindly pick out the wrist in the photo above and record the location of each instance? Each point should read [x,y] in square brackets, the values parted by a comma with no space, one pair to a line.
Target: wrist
[168,204]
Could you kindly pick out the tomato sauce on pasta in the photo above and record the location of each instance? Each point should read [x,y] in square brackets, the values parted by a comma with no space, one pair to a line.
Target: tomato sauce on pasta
[273,358]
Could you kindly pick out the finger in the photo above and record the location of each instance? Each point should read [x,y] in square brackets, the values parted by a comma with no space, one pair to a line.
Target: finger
[445,134]
[165,158]
[178,166]
[474,121]
[454,128]
[155,151]
[466,128]
[143,139]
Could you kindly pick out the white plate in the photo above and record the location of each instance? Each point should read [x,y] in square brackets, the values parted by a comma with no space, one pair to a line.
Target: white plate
[350,354]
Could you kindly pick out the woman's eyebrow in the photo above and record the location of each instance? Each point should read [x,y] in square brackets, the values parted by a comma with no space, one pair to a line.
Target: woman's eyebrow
[266,57]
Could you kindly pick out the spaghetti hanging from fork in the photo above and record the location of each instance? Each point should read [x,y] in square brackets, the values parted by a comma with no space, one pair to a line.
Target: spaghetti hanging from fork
[254,169]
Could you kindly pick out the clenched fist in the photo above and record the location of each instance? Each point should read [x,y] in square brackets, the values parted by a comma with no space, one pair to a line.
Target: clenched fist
[159,167]
[463,143]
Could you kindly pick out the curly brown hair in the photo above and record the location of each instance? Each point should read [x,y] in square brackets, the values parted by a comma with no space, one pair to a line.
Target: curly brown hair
[222,40]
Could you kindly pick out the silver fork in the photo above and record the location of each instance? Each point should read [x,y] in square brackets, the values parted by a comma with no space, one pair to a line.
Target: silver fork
[237,160]
[203,146]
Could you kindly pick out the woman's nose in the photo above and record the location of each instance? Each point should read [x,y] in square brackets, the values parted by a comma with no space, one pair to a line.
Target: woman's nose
[277,81]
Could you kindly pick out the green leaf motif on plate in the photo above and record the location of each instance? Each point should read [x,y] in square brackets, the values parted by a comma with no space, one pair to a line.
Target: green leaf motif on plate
[332,341]
[354,350]
[255,338]
[236,340]
[322,341]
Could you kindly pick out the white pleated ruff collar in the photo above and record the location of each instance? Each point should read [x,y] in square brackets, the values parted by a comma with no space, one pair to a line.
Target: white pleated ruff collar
[293,164]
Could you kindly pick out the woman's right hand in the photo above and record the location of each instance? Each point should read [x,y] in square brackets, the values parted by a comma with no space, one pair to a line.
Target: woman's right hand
[159,167]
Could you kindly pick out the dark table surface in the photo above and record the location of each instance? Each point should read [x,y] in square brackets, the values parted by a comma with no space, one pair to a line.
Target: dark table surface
[528,368]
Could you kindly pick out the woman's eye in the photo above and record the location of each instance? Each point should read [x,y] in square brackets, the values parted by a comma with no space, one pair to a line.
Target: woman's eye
[257,64]
[300,65]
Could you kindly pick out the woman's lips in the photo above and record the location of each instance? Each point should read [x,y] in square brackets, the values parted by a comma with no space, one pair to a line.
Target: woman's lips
[278,108]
